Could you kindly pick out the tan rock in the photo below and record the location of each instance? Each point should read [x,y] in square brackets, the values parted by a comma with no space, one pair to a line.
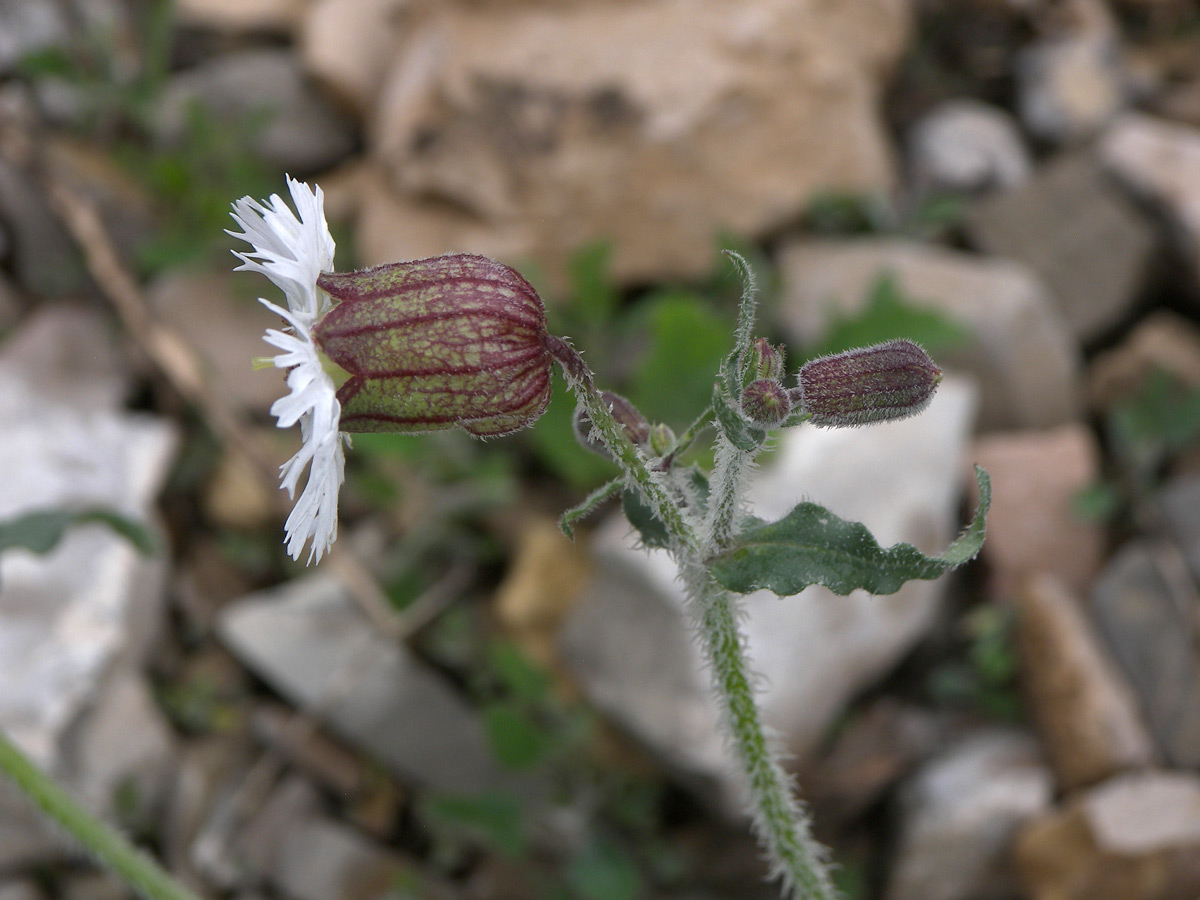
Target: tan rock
[237,497]
[1031,526]
[217,314]
[241,15]
[1136,837]
[548,575]
[1163,340]
[1160,160]
[653,124]
[1084,709]
[349,44]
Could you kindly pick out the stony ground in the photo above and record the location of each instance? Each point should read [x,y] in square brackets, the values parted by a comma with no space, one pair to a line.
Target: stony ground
[460,703]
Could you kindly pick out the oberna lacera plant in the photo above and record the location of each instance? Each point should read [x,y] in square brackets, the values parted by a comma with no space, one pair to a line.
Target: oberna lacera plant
[461,341]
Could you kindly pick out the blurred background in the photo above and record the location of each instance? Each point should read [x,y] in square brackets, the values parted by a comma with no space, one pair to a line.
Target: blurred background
[460,702]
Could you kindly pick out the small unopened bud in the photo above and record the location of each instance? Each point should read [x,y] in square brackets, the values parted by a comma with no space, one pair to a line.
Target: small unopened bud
[766,361]
[451,340]
[662,439]
[766,403]
[871,384]
[628,416]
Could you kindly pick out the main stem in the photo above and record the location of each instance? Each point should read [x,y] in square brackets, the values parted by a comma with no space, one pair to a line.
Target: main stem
[782,825]
[110,848]
[780,822]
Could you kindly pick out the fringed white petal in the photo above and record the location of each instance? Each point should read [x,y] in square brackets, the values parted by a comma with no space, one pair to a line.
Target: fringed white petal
[292,249]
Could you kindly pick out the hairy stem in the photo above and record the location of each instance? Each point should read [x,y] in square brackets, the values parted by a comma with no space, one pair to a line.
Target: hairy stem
[651,484]
[106,844]
[728,482]
[782,825]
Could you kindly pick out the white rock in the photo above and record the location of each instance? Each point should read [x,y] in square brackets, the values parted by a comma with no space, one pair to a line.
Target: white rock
[962,814]
[630,646]
[967,145]
[75,619]
[309,641]
[1021,352]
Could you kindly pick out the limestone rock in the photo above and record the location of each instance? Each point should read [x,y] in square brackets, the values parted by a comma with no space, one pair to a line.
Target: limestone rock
[1081,234]
[1179,501]
[629,644]
[73,620]
[1032,527]
[239,16]
[43,257]
[263,95]
[1142,603]
[961,814]
[1135,837]
[26,28]
[1159,160]
[222,321]
[1082,704]
[653,124]
[350,44]
[322,858]
[308,640]
[1021,353]
[1072,82]
[967,145]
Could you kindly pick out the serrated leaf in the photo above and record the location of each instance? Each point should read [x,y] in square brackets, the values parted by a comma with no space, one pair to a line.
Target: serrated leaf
[649,527]
[40,532]
[810,545]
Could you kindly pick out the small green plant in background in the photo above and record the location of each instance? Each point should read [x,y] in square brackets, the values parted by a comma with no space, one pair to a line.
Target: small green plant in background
[1145,432]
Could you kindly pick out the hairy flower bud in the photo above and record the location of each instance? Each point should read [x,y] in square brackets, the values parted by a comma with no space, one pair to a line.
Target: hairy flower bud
[765,402]
[662,439]
[628,416]
[451,340]
[871,384]
[766,361]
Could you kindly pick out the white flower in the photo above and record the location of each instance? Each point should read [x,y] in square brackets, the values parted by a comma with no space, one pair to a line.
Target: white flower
[293,251]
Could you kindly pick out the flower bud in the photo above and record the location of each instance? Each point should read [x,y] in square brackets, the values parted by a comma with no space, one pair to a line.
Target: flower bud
[870,384]
[628,416]
[662,439]
[766,361]
[450,340]
[766,403]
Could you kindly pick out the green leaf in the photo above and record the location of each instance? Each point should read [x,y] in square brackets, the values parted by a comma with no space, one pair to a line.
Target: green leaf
[39,532]
[653,532]
[515,738]
[810,545]
[523,678]
[604,871]
[493,818]
[891,313]
[686,341]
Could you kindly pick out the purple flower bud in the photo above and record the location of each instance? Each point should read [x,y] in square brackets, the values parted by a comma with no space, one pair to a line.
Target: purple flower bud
[451,340]
[766,361]
[871,384]
[766,403]
[628,416]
